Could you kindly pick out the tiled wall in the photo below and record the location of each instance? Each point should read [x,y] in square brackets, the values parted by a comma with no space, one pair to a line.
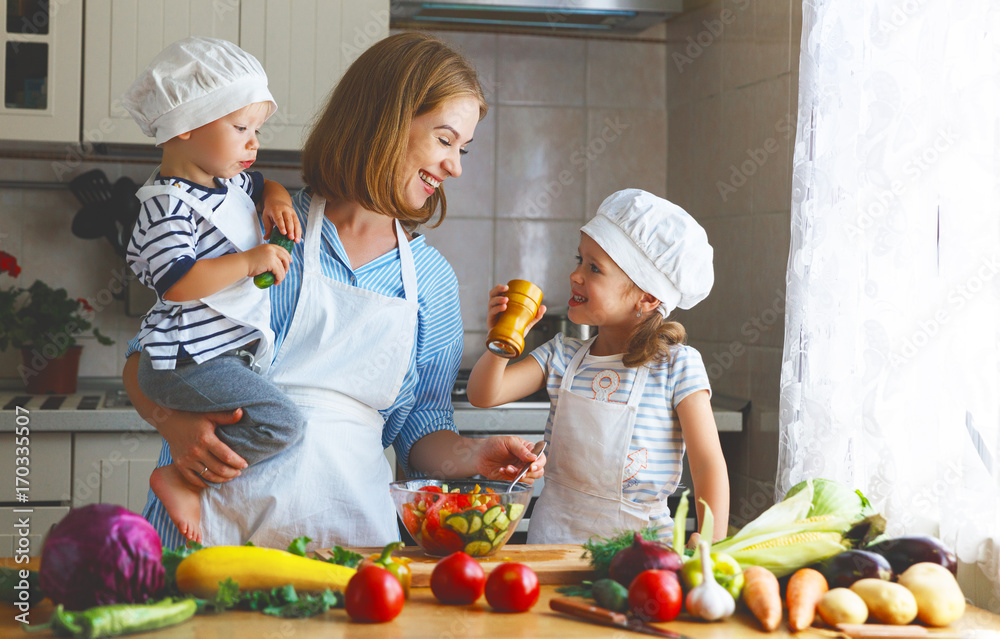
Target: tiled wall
[732,78]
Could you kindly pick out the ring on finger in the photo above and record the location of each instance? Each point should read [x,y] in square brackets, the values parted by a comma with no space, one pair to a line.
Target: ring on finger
[202,473]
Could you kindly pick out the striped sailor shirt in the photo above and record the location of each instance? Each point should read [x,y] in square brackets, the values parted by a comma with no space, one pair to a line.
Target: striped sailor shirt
[168,238]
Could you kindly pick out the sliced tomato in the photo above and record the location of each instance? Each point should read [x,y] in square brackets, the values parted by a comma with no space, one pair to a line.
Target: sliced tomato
[448,540]
[410,519]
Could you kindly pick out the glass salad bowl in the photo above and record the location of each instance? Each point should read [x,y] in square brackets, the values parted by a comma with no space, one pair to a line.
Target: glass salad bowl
[473,515]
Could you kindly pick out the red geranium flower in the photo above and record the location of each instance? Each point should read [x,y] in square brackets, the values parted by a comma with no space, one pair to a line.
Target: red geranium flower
[85,304]
[8,264]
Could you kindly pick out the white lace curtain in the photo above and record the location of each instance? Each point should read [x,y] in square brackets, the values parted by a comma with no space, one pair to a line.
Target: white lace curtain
[890,377]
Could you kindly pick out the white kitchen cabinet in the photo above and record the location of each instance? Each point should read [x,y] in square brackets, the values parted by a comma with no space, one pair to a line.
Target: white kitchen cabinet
[49,458]
[40,48]
[40,520]
[304,45]
[114,468]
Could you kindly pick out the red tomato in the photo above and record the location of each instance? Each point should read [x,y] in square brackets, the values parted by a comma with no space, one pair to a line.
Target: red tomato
[373,595]
[458,579]
[655,595]
[410,519]
[512,587]
[448,540]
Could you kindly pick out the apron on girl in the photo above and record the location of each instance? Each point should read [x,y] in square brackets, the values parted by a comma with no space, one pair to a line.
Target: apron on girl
[344,359]
[241,301]
[583,475]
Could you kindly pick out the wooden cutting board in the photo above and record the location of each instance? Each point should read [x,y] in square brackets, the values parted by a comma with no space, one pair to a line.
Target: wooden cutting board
[554,564]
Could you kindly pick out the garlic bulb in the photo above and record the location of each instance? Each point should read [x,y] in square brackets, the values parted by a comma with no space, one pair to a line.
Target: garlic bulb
[708,600]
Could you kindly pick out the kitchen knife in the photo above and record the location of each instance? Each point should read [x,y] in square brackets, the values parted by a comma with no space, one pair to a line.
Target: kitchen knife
[607,617]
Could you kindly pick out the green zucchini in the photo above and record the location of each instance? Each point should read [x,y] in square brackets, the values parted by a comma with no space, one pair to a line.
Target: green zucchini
[475,522]
[491,514]
[478,548]
[514,511]
[458,523]
[501,522]
[12,587]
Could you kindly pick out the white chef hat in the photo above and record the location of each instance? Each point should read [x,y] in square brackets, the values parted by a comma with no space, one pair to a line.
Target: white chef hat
[192,82]
[658,245]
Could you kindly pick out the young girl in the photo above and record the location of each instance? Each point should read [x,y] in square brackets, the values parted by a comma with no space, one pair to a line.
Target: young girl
[626,403]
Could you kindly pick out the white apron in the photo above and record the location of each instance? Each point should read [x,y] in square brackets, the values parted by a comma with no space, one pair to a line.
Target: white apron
[345,358]
[583,475]
[241,301]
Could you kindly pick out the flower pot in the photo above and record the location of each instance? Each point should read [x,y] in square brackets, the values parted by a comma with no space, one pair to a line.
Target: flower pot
[46,375]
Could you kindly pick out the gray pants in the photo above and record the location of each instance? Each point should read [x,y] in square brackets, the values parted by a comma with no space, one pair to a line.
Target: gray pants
[271,421]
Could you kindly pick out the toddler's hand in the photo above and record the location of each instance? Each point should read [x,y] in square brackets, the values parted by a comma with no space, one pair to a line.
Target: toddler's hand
[268,257]
[281,215]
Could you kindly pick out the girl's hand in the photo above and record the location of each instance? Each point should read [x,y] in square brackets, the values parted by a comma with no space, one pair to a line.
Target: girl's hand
[194,446]
[499,457]
[268,257]
[498,304]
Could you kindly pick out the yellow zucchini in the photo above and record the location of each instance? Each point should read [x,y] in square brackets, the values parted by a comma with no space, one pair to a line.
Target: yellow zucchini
[256,568]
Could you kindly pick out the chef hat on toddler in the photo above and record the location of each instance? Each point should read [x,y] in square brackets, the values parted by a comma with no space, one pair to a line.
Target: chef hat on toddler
[658,245]
[192,82]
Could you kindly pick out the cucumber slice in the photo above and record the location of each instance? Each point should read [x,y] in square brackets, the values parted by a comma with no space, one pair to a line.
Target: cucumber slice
[501,522]
[491,533]
[515,511]
[499,541]
[458,523]
[491,514]
[475,522]
[478,548]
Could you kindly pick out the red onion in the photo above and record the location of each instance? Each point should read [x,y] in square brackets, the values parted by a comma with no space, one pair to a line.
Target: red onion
[642,555]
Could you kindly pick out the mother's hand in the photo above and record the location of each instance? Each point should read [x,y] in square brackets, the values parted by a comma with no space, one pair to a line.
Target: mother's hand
[194,446]
[501,456]
[191,436]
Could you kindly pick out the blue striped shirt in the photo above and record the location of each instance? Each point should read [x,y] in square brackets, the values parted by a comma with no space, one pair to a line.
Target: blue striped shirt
[424,403]
[652,467]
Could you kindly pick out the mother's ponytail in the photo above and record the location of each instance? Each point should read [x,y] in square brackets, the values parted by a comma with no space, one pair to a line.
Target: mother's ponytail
[651,340]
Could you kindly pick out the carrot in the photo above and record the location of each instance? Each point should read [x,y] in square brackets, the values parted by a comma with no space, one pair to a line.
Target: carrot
[763,596]
[805,588]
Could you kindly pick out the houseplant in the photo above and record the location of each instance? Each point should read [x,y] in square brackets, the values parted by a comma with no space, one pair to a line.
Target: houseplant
[44,323]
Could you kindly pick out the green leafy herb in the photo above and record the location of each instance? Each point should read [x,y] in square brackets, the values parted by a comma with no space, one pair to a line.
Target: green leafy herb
[277,602]
[344,557]
[298,546]
[600,550]
[583,589]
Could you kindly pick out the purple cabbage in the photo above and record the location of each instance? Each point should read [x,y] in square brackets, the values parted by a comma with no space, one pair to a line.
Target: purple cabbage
[101,554]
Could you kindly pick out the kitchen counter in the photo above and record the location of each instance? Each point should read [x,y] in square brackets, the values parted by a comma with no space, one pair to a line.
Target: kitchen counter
[100,405]
[424,617]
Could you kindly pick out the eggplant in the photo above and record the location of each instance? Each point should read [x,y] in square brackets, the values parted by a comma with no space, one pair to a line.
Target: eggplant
[851,565]
[903,552]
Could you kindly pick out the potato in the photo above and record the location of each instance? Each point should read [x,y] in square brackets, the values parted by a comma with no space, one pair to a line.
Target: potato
[939,598]
[887,602]
[840,605]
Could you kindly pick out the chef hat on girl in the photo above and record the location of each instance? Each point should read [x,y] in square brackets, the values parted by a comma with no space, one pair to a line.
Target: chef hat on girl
[658,245]
[192,82]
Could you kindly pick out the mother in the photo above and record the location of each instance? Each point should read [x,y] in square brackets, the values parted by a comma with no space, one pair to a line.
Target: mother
[369,333]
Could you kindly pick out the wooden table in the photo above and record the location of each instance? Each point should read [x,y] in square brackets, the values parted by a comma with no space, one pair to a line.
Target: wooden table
[424,617]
